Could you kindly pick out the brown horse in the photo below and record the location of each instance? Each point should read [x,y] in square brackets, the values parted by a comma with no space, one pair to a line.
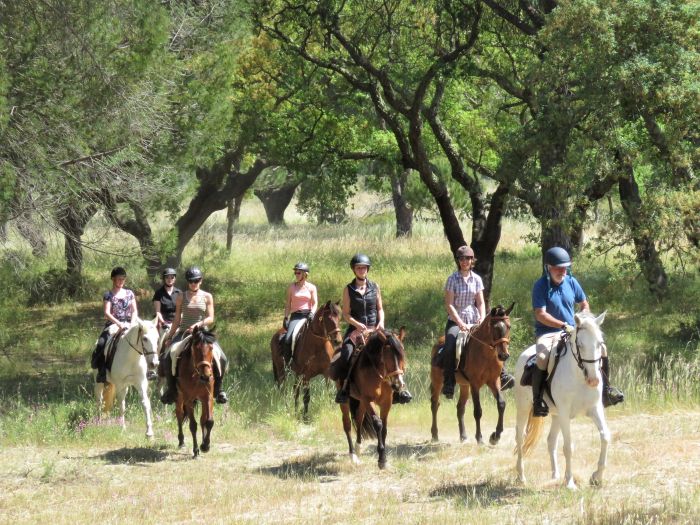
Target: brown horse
[376,376]
[486,351]
[313,352]
[195,381]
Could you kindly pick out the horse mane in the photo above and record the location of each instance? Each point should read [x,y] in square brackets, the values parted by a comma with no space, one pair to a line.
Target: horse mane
[204,334]
[375,344]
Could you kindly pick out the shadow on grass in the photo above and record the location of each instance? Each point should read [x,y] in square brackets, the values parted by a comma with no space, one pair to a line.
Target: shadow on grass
[420,451]
[134,456]
[484,494]
[317,467]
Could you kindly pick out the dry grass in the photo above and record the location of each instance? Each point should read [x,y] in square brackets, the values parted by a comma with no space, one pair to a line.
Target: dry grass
[654,464]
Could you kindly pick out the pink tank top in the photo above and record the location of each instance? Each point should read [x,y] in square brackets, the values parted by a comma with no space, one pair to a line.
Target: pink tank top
[301,298]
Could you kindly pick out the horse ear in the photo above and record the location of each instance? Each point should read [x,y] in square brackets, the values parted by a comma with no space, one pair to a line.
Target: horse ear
[328,304]
[402,333]
[381,334]
[599,320]
[510,308]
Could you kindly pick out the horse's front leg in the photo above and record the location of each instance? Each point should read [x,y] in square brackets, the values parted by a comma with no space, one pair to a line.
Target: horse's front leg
[598,416]
[461,407]
[99,390]
[477,413]
[347,427]
[207,421]
[180,413]
[384,408]
[359,419]
[307,399]
[552,445]
[193,428]
[435,388]
[146,403]
[565,425]
[501,405]
[121,397]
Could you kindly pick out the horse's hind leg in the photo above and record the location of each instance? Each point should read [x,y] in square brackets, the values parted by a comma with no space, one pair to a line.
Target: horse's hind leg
[146,402]
[180,412]
[193,429]
[435,387]
[99,389]
[552,445]
[477,413]
[347,427]
[307,399]
[121,397]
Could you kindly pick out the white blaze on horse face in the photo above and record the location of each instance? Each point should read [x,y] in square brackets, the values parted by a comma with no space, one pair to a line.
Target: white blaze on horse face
[589,340]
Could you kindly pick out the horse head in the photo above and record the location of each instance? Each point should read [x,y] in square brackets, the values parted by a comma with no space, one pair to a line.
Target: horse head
[385,349]
[589,344]
[326,323]
[203,340]
[142,336]
[499,330]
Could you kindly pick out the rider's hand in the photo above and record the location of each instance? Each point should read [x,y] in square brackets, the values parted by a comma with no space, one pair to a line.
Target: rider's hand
[462,327]
[568,328]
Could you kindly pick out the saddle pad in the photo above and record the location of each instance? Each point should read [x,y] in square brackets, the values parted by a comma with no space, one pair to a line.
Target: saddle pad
[526,379]
[296,333]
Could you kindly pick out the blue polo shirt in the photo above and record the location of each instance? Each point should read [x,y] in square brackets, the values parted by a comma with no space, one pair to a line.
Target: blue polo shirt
[557,300]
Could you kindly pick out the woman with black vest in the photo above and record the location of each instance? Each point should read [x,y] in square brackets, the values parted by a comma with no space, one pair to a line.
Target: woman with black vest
[362,310]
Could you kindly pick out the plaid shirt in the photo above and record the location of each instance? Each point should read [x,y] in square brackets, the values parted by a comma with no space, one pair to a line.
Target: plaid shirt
[465,290]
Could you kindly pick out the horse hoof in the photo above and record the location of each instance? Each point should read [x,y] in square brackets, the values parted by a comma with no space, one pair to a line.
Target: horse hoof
[571,485]
[463,439]
[596,481]
[494,439]
[382,465]
[195,454]
[205,448]
[149,435]
[434,440]
[355,460]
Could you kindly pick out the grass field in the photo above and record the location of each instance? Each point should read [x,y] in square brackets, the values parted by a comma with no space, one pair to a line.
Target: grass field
[266,465]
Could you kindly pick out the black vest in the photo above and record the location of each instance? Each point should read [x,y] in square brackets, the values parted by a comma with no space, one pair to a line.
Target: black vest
[364,307]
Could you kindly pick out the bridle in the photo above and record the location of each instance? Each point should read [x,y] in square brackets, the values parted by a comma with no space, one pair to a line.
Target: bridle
[580,360]
[197,368]
[387,376]
[139,341]
[326,334]
[492,321]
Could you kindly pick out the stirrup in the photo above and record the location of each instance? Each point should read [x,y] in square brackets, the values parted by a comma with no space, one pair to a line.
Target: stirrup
[448,390]
[540,408]
[169,397]
[401,398]
[612,396]
[507,381]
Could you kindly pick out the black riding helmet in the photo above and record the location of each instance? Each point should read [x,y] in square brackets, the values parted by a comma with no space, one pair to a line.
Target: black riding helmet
[557,257]
[168,271]
[302,266]
[360,258]
[118,271]
[194,273]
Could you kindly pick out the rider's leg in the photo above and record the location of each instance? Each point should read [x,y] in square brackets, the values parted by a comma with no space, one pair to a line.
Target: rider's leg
[170,394]
[507,380]
[98,357]
[611,395]
[220,367]
[346,353]
[449,352]
[539,374]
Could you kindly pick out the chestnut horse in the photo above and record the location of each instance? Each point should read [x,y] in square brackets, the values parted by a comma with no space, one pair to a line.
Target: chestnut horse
[486,351]
[195,382]
[313,352]
[376,376]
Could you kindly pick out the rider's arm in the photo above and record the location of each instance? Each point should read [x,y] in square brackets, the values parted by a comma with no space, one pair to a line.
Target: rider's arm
[178,317]
[288,302]
[548,319]
[159,316]
[108,313]
[452,311]
[314,299]
[583,306]
[480,305]
[209,319]
[134,307]
[380,309]
[346,312]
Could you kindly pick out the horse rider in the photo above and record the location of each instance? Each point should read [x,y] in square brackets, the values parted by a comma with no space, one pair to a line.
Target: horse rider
[554,296]
[464,302]
[164,300]
[119,305]
[300,304]
[193,308]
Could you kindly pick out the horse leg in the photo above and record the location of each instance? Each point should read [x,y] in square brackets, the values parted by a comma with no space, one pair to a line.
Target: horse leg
[565,424]
[359,419]
[435,388]
[207,422]
[477,413]
[307,399]
[523,412]
[99,389]
[146,403]
[347,427]
[121,397]
[381,427]
[552,445]
[597,415]
[461,407]
[180,412]
[193,428]
[501,405]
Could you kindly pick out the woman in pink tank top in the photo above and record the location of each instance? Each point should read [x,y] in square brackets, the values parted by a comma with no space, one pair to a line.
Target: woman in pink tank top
[301,303]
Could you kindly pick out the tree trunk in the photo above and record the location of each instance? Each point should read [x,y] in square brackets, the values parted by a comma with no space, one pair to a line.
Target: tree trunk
[72,221]
[647,255]
[402,209]
[276,200]
[233,212]
[31,233]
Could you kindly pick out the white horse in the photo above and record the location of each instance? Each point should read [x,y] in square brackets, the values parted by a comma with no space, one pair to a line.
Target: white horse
[137,350]
[576,388]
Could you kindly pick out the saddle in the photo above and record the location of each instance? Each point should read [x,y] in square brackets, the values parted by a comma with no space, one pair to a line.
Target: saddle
[526,379]
[461,347]
[299,330]
[111,348]
[339,368]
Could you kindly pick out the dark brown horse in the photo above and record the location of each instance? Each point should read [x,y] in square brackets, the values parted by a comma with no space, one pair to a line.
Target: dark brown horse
[313,352]
[486,351]
[376,376]
[195,382]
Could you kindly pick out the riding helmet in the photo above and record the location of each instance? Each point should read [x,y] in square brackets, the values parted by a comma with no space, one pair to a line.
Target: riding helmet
[194,273]
[118,271]
[302,266]
[557,256]
[169,271]
[360,258]
[464,251]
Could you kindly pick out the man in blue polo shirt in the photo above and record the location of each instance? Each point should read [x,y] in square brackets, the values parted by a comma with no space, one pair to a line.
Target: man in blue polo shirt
[554,296]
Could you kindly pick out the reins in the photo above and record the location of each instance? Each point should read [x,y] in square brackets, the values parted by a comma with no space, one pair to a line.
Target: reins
[326,334]
[139,341]
[497,342]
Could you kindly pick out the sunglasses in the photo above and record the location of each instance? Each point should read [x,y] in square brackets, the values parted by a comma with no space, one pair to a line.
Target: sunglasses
[297,272]
[464,258]
[194,281]
[169,277]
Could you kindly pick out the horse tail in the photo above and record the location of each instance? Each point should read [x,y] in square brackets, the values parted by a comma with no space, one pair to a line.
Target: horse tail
[367,430]
[108,395]
[533,432]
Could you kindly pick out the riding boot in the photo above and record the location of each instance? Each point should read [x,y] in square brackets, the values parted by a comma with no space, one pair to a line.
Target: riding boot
[343,395]
[219,394]
[507,380]
[539,407]
[448,372]
[611,395]
[170,395]
[98,362]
